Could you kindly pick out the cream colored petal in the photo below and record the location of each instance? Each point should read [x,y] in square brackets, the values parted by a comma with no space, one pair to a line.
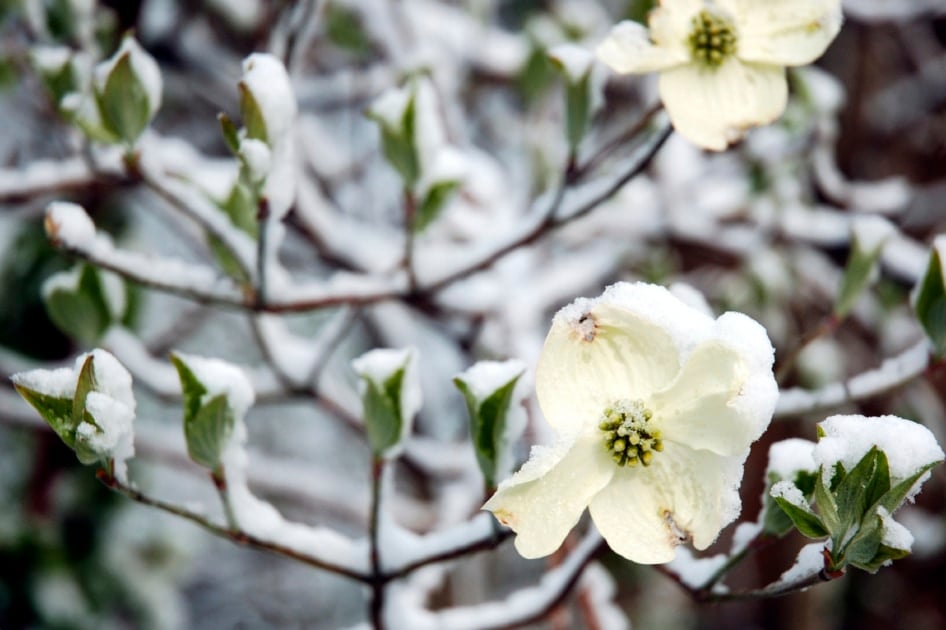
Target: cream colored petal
[784,32]
[544,500]
[725,394]
[628,48]
[671,22]
[714,107]
[614,348]
[645,512]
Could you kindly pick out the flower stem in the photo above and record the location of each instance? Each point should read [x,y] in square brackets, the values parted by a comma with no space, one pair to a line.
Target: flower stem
[410,216]
[378,579]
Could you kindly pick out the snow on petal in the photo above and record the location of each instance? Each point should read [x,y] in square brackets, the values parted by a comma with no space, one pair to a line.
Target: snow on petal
[713,108]
[544,500]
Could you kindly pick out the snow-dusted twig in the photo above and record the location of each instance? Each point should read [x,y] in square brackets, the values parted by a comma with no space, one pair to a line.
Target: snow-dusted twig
[524,606]
[350,570]
[892,373]
[47,177]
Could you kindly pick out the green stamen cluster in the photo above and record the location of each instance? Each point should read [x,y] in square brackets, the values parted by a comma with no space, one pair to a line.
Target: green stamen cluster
[713,39]
[626,434]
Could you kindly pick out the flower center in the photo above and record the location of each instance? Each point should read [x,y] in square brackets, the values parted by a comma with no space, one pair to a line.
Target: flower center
[713,38]
[627,436]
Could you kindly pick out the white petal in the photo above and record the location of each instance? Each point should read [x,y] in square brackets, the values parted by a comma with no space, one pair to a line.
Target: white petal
[784,32]
[725,394]
[645,512]
[544,500]
[713,107]
[601,351]
[671,22]
[628,48]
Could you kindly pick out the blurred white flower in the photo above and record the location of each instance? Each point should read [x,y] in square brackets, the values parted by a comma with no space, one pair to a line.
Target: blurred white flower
[722,62]
[655,405]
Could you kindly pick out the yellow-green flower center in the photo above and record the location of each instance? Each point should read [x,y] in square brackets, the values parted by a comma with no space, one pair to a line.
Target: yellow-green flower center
[713,39]
[628,435]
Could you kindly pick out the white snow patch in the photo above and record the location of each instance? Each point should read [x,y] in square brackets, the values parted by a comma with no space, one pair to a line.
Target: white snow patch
[219,377]
[576,61]
[789,457]
[808,562]
[693,571]
[871,231]
[895,535]
[790,492]
[265,77]
[908,445]
[68,223]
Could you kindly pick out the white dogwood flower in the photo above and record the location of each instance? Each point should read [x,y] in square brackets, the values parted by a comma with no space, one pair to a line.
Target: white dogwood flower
[722,62]
[655,405]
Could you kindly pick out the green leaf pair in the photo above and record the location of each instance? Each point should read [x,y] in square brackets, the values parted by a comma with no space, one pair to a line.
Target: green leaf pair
[850,511]
[64,414]
[208,424]
[78,303]
[489,417]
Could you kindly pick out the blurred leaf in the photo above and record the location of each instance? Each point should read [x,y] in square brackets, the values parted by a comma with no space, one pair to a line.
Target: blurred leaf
[253,120]
[638,10]
[930,303]
[207,425]
[382,410]
[345,29]
[537,74]
[429,209]
[81,311]
[231,135]
[400,146]
[488,424]
[208,431]
[577,110]
[123,102]
[857,276]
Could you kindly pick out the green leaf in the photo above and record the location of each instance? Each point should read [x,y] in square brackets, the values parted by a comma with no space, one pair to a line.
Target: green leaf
[60,82]
[577,110]
[82,311]
[123,103]
[775,521]
[827,507]
[344,28]
[488,424]
[231,135]
[852,493]
[864,545]
[930,303]
[55,410]
[192,389]
[253,120]
[857,275]
[896,495]
[804,520]
[884,555]
[433,203]
[207,426]
[208,431]
[84,384]
[382,410]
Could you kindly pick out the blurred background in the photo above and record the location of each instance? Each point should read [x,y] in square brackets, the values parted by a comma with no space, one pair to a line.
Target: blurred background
[866,133]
